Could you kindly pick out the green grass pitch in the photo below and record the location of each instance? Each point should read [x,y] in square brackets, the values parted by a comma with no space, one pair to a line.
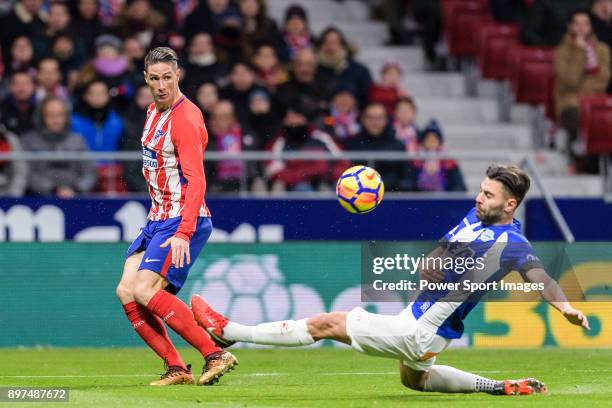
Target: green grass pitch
[304,378]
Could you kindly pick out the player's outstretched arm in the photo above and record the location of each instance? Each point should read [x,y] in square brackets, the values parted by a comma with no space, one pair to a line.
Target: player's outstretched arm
[432,274]
[554,295]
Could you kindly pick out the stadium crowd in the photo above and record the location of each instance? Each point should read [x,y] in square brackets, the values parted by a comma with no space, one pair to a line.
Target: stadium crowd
[72,81]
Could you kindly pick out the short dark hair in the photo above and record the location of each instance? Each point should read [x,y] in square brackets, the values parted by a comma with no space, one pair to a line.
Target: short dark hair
[574,12]
[514,179]
[161,54]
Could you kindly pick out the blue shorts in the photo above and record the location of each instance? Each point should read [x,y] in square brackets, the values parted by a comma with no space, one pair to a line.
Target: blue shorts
[158,259]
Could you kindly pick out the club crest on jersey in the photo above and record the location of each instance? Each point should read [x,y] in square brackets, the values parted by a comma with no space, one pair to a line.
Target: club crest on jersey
[158,133]
[487,235]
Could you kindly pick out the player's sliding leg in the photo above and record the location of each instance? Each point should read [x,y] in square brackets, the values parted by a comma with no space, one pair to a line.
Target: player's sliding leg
[440,378]
[149,292]
[282,333]
[151,328]
[379,335]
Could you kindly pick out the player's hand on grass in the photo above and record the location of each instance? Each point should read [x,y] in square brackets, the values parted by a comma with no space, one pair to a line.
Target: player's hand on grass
[180,251]
[575,316]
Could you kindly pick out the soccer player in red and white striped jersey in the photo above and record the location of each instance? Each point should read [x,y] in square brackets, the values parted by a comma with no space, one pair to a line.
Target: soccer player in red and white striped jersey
[179,224]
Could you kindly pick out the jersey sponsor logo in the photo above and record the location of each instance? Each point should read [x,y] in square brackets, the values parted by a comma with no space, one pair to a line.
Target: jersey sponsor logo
[147,260]
[424,306]
[532,257]
[149,158]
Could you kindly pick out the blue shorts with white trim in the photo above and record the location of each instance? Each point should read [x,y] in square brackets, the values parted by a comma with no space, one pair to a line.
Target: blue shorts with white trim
[159,260]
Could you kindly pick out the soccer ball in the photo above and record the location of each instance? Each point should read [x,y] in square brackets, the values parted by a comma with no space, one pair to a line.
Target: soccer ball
[360,189]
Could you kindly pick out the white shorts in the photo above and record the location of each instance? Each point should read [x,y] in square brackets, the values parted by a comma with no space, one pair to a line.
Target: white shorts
[400,337]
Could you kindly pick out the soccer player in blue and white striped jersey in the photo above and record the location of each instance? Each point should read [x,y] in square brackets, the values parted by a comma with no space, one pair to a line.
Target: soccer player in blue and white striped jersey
[434,317]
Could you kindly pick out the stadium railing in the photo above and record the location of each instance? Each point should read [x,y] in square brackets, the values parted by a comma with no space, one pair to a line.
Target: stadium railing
[368,157]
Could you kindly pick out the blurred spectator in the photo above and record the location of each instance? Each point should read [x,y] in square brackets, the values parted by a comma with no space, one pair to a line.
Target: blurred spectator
[508,11]
[222,12]
[61,178]
[377,134]
[339,67]
[49,78]
[93,118]
[13,173]
[395,13]
[201,64]
[404,123]
[389,90]
[58,21]
[296,32]
[135,53]
[207,97]
[263,120]
[227,136]
[110,66]
[64,50]
[238,91]
[5,7]
[258,27]
[134,119]
[222,20]
[198,20]
[25,19]
[343,120]
[305,85]
[302,175]
[545,21]
[142,21]
[17,109]
[428,14]
[582,67]
[601,19]
[110,10]
[182,9]
[434,174]
[87,25]
[270,72]
[21,56]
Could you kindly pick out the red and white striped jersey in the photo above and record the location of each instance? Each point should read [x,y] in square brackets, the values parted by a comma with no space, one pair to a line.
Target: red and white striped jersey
[173,144]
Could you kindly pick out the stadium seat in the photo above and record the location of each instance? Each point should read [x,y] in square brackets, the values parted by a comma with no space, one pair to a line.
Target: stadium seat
[596,123]
[532,74]
[492,43]
[110,179]
[460,22]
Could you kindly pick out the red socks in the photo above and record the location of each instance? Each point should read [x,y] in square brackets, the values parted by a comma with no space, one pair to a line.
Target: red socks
[152,330]
[179,317]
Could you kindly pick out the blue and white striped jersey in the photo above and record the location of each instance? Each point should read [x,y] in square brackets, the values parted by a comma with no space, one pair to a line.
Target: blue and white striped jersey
[501,248]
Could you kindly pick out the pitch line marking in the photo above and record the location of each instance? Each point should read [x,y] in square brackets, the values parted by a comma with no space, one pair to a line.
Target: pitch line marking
[273,374]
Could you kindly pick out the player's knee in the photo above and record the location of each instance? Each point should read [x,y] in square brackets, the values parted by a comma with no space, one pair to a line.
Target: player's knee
[124,293]
[416,384]
[143,292]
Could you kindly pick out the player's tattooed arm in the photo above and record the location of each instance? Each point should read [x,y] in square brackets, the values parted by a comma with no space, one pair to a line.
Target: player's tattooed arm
[431,274]
[554,295]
